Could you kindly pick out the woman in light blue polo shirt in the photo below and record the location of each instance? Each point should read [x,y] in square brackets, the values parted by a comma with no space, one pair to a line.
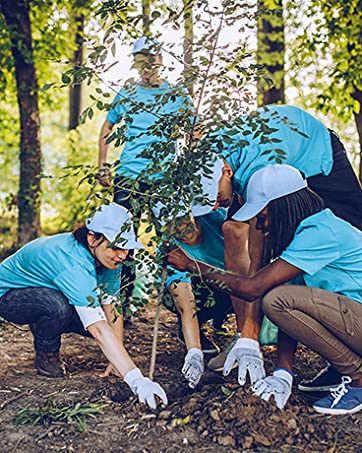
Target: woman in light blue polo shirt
[69,283]
[320,256]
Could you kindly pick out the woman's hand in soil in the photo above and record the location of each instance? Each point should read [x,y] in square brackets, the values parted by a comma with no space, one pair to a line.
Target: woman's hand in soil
[279,385]
[144,388]
[109,371]
[246,353]
[193,368]
[180,260]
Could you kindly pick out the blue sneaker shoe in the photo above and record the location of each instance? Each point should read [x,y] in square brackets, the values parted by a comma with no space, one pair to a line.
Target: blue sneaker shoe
[343,400]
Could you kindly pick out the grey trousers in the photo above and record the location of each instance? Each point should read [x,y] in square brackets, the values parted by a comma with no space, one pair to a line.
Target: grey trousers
[326,322]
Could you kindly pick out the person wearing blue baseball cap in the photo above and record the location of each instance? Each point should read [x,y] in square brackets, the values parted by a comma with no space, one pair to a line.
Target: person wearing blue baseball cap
[70,282]
[319,255]
[138,109]
[143,119]
[289,135]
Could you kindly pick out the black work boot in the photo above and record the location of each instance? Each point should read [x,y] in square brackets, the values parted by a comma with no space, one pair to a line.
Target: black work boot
[48,364]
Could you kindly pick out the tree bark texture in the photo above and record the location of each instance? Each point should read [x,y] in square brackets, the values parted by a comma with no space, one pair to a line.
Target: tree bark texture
[357,95]
[271,51]
[188,40]
[75,91]
[146,16]
[16,13]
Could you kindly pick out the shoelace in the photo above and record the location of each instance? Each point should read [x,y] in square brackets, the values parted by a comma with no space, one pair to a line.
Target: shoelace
[341,390]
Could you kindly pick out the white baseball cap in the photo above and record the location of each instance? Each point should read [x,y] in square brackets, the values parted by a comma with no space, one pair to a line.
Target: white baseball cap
[147,44]
[267,184]
[209,182]
[110,220]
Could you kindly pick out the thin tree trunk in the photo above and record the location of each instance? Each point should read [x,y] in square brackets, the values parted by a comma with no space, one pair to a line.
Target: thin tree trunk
[17,17]
[271,51]
[357,95]
[188,40]
[75,91]
[146,13]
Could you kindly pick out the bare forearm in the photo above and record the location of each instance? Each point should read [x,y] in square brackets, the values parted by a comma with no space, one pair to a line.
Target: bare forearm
[102,143]
[112,347]
[251,324]
[114,319]
[235,284]
[185,304]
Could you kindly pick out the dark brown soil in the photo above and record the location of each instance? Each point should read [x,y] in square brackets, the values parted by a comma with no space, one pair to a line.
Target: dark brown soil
[219,416]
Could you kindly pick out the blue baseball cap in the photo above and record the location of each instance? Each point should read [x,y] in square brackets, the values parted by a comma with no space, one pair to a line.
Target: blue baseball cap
[267,184]
[110,220]
[147,45]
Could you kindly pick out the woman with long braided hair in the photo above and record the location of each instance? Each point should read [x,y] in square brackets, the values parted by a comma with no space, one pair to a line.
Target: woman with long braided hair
[319,255]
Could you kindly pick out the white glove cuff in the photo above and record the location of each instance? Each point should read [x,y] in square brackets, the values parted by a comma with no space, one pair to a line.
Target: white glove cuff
[195,351]
[285,375]
[247,343]
[132,376]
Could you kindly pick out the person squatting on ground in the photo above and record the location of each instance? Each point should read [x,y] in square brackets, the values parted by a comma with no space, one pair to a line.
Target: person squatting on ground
[306,144]
[137,117]
[68,283]
[321,255]
[201,237]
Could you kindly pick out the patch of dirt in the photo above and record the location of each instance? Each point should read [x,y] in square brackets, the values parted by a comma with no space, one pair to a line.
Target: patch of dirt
[218,416]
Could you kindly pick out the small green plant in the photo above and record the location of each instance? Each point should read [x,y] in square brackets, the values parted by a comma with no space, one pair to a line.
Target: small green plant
[54,411]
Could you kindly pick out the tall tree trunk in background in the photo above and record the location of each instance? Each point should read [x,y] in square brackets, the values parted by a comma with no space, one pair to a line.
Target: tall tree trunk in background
[75,91]
[357,95]
[146,16]
[17,18]
[188,40]
[271,50]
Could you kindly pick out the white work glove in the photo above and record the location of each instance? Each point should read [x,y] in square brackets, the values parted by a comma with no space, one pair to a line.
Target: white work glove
[279,385]
[144,388]
[193,366]
[246,353]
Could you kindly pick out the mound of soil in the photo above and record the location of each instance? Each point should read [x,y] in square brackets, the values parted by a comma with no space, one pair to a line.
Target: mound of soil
[218,416]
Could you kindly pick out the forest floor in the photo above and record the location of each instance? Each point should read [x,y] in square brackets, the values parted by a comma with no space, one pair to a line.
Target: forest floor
[218,416]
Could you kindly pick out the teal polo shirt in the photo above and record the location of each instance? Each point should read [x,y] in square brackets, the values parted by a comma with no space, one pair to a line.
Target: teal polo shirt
[59,262]
[139,109]
[328,250]
[210,250]
[277,134]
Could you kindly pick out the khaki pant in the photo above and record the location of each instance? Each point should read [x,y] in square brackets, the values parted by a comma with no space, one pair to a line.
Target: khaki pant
[326,322]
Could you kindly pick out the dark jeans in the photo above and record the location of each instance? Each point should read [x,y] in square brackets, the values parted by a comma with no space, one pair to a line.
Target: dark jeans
[124,197]
[341,189]
[48,313]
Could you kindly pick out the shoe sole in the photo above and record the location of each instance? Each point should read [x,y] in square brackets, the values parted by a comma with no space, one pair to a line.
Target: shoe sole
[330,411]
[321,388]
[49,375]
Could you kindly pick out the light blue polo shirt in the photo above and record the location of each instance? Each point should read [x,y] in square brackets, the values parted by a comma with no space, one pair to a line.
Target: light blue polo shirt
[294,137]
[210,250]
[141,130]
[58,262]
[329,252]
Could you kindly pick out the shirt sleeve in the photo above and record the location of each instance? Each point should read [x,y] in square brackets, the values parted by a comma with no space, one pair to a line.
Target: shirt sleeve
[118,109]
[312,248]
[174,276]
[90,315]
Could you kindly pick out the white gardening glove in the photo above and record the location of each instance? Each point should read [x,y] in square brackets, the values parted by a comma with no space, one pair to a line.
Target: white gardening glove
[279,385]
[144,388]
[193,366]
[246,353]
